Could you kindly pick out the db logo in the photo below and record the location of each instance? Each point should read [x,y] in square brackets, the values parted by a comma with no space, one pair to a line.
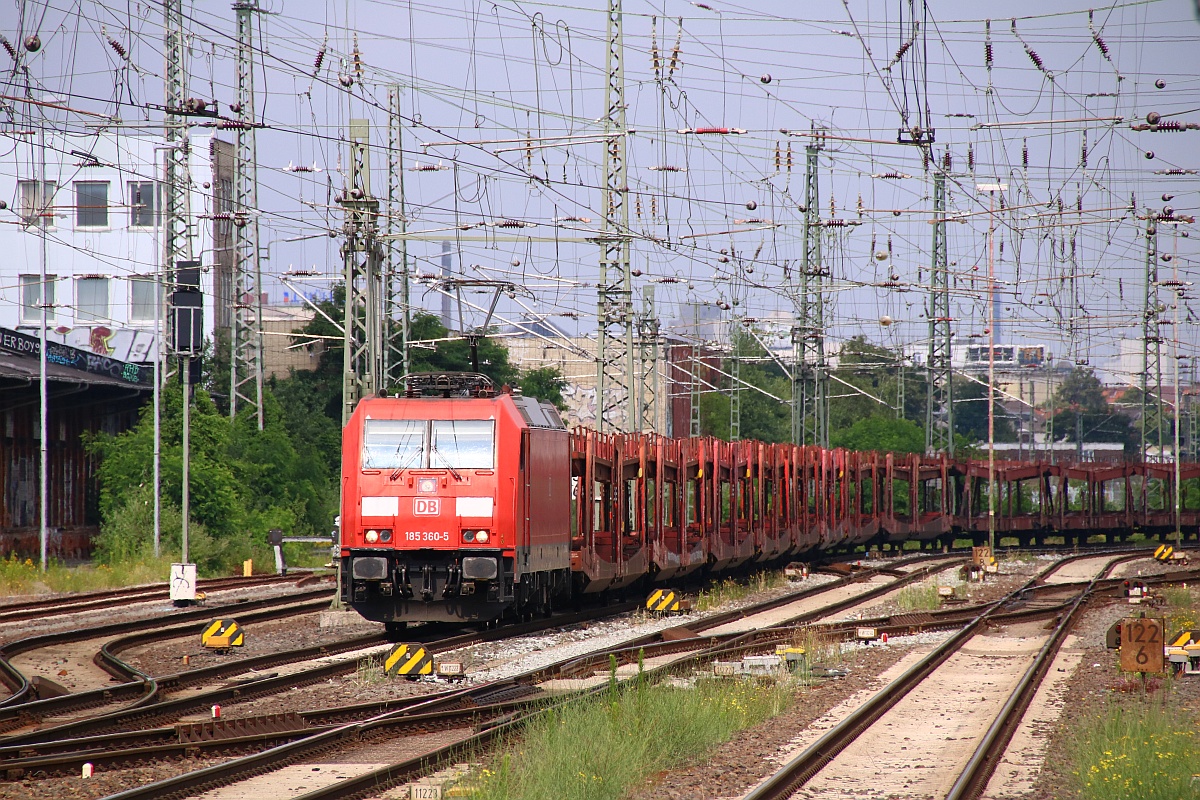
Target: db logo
[426,506]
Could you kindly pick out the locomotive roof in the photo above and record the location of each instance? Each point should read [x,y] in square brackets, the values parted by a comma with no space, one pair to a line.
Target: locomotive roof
[535,413]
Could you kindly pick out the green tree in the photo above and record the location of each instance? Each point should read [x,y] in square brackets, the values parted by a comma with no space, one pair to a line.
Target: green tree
[1082,414]
[764,396]
[971,413]
[867,383]
[546,384]
[242,481]
[882,434]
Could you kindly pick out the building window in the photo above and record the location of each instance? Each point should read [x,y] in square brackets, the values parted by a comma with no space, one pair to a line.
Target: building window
[91,204]
[31,298]
[91,299]
[37,208]
[142,303]
[144,205]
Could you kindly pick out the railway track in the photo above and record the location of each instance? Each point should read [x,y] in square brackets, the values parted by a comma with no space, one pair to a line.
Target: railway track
[959,704]
[47,752]
[472,711]
[44,607]
[24,706]
[439,724]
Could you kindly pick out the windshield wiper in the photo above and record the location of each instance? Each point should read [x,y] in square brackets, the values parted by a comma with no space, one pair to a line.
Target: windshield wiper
[433,451]
[396,472]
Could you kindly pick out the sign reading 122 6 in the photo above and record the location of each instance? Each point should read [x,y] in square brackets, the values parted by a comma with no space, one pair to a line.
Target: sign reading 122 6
[426,506]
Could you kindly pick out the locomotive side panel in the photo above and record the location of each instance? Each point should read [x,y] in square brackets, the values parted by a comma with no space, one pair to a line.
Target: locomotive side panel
[547,488]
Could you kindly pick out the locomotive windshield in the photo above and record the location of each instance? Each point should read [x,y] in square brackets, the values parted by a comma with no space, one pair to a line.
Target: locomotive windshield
[401,444]
[463,444]
[393,443]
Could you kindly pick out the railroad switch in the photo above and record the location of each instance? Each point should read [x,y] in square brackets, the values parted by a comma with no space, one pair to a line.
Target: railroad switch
[222,635]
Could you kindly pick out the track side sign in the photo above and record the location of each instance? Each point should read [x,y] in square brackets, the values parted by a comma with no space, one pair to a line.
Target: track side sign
[1141,644]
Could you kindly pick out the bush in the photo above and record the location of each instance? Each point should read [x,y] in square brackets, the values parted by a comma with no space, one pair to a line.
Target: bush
[127,537]
[242,483]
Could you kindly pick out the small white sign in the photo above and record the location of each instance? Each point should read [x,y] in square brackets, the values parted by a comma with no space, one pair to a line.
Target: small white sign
[424,791]
[473,506]
[183,582]
[380,506]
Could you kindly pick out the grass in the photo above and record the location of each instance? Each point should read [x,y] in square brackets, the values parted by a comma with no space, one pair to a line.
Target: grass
[922,597]
[1138,747]
[731,590]
[1142,751]
[603,747]
[24,577]
[370,671]
[1182,609]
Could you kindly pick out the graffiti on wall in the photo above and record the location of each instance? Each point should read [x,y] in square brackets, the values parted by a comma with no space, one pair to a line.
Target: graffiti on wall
[67,356]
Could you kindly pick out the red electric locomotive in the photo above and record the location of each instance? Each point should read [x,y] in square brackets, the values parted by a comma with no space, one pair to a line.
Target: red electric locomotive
[455,503]
[464,503]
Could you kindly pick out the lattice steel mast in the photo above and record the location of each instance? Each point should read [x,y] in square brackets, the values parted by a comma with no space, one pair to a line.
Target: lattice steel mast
[362,364]
[735,363]
[177,235]
[810,387]
[615,364]
[245,335]
[939,411]
[1152,427]
[648,341]
[396,318]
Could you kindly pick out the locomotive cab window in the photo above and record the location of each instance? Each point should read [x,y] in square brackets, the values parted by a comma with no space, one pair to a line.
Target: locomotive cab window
[463,444]
[393,443]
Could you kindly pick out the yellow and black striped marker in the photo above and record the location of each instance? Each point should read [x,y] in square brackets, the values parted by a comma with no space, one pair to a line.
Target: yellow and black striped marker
[1164,551]
[222,633]
[1184,638]
[408,660]
[663,601]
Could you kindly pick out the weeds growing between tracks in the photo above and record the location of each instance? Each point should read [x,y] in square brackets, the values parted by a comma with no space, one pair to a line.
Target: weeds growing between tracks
[600,748]
[731,590]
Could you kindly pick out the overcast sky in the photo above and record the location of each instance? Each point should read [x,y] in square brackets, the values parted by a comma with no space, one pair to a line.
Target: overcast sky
[1051,119]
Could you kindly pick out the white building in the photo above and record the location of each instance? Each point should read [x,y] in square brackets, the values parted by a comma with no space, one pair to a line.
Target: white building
[99,202]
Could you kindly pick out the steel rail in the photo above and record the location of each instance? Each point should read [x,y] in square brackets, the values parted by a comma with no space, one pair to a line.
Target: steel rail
[150,708]
[16,682]
[451,699]
[19,704]
[973,780]
[62,757]
[94,601]
[803,767]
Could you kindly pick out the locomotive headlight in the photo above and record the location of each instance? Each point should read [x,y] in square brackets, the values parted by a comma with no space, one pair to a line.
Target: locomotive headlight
[481,536]
[372,536]
[385,535]
[468,536]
